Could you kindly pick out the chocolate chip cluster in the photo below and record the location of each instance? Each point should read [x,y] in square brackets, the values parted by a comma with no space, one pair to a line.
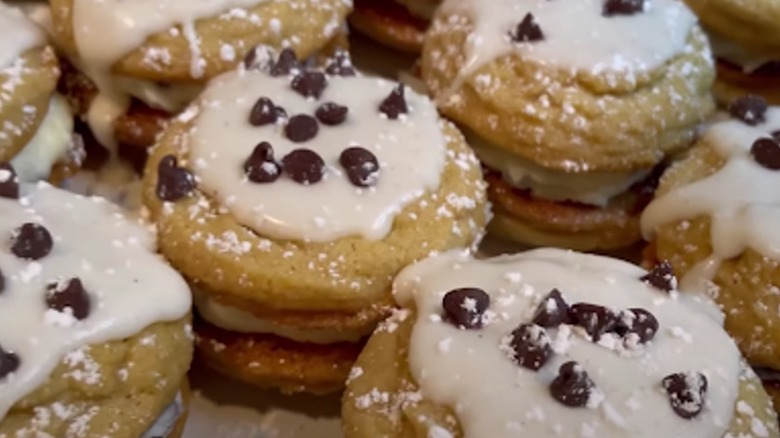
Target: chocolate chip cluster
[530,346]
[751,110]
[32,241]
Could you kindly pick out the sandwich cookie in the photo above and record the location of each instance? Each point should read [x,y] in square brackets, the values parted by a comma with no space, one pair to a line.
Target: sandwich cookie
[399,24]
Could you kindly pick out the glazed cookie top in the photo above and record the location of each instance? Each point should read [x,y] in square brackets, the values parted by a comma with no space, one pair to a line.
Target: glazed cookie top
[592,35]
[740,198]
[73,272]
[299,153]
[18,34]
[557,343]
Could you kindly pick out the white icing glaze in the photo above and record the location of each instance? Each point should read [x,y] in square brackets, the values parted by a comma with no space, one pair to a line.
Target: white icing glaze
[411,152]
[19,34]
[129,285]
[732,52]
[577,36]
[493,397]
[589,188]
[740,198]
[237,320]
[49,144]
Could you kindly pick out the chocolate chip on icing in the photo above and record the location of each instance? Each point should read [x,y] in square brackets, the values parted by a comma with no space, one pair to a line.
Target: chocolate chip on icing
[340,65]
[595,319]
[260,167]
[69,295]
[622,7]
[686,393]
[639,322]
[286,63]
[766,152]
[9,362]
[361,166]
[527,30]
[751,109]
[303,166]
[173,182]
[301,128]
[264,112]
[9,182]
[310,83]
[661,277]
[31,241]
[552,311]
[331,114]
[395,103]
[572,387]
[465,307]
[2,282]
[531,346]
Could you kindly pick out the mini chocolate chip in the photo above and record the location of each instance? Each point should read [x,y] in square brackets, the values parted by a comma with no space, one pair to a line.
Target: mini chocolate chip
[71,295]
[250,58]
[661,277]
[622,7]
[395,103]
[9,182]
[340,65]
[361,166]
[303,166]
[310,83]
[552,311]
[332,114]
[286,63]
[173,182]
[301,128]
[2,282]
[464,308]
[686,393]
[751,109]
[260,167]
[31,241]
[9,362]
[776,135]
[527,30]
[531,346]
[264,112]
[572,387]
[766,152]
[595,319]
[637,321]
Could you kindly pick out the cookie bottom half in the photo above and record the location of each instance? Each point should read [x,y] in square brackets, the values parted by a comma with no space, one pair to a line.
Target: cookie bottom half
[733,83]
[390,24]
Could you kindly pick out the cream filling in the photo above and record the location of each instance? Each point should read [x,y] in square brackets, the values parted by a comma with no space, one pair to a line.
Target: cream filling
[49,144]
[730,51]
[420,8]
[167,420]
[588,188]
[236,320]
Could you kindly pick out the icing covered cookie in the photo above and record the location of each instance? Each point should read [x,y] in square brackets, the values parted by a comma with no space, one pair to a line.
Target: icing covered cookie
[37,130]
[94,327]
[570,106]
[551,343]
[746,42]
[400,24]
[290,196]
[715,219]
[145,60]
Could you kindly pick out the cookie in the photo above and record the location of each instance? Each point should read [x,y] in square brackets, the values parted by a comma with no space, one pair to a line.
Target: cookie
[550,343]
[290,196]
[164,58]
[36,134]
[571,103]
[95,338]
[399,24]
[714,219]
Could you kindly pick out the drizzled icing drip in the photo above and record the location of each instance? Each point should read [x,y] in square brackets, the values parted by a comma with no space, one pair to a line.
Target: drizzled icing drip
[127,285]
[741,199]
[18,35]
[493,396]
[328,189]
[576,33]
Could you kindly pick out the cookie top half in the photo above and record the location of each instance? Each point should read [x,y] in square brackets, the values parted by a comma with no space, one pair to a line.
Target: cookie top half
[74,272]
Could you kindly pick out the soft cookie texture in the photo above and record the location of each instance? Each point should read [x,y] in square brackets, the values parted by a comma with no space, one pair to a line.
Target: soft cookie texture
[750,24]
[399,25]
[436,368]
